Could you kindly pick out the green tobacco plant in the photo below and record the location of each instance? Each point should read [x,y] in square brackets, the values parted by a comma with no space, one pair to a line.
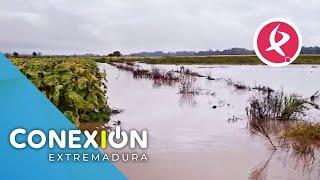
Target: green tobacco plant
[73,85]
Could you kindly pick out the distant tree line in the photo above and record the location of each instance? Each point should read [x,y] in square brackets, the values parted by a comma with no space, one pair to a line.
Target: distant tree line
[310,50]
[16,54]
[232,51]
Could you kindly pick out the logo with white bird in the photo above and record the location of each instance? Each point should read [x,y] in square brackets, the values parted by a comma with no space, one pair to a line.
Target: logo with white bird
[277,42]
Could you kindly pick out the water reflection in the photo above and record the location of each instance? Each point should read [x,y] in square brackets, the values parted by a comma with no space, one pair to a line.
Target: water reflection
[304,155]
[159,83]
[307,162]
[187,99]
[260,172]
[234,119]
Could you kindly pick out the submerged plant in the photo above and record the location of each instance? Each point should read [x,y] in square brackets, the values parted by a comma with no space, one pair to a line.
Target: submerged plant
[263,89]
[304,132]
[160,77]
[209,77]
[303,141]
[277,106]
[187,85]
[157,74]
[237,85]
[268,113]
[262,128]
[189,72]
[315,96]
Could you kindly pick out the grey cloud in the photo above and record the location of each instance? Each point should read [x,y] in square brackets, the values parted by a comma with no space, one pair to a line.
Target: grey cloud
[79,26]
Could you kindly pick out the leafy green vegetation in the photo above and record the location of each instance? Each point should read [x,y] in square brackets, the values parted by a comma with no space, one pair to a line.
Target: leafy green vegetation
[73,85]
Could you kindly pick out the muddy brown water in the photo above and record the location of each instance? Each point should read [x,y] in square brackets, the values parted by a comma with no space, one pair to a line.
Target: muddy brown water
[188,139]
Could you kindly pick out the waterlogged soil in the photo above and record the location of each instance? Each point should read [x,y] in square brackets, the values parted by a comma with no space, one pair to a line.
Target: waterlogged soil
[188,139]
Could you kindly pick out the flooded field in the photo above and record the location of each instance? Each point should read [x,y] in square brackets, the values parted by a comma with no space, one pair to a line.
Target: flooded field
[205,136]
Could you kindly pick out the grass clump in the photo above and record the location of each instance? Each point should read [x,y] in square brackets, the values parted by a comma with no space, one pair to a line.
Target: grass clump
[303,131]
[237,85]
[187,85]
[303,138]
[189,72]
[160,77]
[263,89]
[277,106]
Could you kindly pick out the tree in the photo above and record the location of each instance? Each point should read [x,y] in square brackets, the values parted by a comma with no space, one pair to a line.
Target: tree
[7,55]
[117,54]
[34,54]
[15,54]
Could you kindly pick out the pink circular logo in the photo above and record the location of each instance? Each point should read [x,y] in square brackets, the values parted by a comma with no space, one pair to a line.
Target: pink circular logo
[277,42]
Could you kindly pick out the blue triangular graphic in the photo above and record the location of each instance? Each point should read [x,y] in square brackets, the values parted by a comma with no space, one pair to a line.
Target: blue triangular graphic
[22,105]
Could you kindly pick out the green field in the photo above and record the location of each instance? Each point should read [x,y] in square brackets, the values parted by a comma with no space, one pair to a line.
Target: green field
[234,60]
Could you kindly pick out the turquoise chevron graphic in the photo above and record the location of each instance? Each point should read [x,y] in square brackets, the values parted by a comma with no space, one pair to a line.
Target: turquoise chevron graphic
[22,105]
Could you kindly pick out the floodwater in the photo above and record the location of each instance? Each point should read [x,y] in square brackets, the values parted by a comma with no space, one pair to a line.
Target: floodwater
[188,139]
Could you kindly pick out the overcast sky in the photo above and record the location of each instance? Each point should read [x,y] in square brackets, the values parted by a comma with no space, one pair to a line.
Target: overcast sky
[102,26]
